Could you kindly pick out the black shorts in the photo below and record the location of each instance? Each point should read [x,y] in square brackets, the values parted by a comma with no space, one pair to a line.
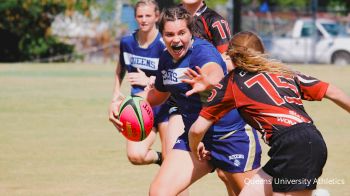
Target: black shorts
[298,155]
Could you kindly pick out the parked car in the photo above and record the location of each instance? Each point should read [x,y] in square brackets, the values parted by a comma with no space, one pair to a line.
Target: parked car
[331,45]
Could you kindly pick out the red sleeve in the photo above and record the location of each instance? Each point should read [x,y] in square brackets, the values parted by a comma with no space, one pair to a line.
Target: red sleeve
[221,33]
[220,102]
[311,88]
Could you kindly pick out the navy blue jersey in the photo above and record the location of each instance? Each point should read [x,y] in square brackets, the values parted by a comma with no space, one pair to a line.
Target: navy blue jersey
[169,80]
[132,56]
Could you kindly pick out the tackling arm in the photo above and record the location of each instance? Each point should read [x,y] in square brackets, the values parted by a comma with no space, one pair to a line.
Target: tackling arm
[339,97]
[196,134]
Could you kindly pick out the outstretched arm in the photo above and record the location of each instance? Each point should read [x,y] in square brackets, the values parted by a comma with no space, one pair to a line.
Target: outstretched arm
[195,136]
[203,78]
[339,97]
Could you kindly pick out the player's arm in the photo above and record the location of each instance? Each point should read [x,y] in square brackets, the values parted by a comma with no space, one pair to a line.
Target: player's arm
[117,96]
[338,97]
[196,134]
[119,76]
[154,97]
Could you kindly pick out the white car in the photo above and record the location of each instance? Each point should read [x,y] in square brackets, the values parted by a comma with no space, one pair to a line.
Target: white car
[332,44]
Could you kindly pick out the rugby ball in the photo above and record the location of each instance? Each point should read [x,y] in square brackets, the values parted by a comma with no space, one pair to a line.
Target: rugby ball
[136,114]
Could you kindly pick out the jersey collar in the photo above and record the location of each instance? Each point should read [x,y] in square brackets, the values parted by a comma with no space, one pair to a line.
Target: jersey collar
[201,9]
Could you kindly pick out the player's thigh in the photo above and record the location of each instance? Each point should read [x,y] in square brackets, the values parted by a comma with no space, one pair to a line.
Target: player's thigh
[179,170]
[174,130]
[259,184]
[238,180]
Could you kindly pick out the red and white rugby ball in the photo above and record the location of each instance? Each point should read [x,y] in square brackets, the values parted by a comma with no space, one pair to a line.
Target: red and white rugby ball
[136,114]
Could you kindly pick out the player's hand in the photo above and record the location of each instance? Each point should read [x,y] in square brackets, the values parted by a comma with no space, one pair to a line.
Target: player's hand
[197,81]
[202,153]
[114,114]
[150,85]
[138,78]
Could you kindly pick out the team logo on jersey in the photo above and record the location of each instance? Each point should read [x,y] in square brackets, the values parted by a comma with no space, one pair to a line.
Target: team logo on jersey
[173,76]
[236,156]
[236,162]
[236,159]
[141,61]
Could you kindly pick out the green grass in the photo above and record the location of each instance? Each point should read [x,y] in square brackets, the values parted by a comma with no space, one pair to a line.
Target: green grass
[55,138]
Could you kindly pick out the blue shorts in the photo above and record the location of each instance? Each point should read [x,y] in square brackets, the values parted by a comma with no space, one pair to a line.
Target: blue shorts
[162,112]
[234,152]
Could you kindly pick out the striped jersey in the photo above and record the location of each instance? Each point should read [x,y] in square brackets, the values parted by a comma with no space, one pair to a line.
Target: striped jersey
[268,102]
[211,26]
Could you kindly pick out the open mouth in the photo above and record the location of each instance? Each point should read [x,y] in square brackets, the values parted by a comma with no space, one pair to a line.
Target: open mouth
[177,49]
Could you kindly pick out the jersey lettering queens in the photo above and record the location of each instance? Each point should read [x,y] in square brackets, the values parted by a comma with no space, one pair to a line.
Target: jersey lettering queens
[140,61]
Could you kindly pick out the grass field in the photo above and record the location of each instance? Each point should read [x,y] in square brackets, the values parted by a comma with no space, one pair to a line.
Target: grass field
[55,138]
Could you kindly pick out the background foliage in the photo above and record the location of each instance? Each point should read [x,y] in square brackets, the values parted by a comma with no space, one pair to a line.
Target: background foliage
[25,24]
[25,28]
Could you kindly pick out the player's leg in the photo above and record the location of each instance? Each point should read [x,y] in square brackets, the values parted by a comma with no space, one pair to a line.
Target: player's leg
[178,171]
[238,156]
[140,153]
[174,130]
[295,193]
[237,180]
[259,184]
[221,174]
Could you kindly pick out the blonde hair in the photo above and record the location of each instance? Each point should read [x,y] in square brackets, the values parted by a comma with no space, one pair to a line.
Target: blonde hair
[247,52]
[147,2]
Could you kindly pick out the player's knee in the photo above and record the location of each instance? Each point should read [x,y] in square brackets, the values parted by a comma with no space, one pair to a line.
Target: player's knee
[136,158]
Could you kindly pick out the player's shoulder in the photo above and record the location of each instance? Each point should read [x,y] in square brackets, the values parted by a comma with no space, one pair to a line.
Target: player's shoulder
[128,38]
[212,15]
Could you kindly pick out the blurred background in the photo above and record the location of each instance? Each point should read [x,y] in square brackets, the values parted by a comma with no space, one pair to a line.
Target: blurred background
[57,68]
[295,31]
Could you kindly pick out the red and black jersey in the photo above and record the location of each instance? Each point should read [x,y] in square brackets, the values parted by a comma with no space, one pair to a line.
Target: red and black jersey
[211,26]
[268,102]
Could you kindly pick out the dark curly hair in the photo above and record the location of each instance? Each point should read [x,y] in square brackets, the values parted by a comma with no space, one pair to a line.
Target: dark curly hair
[173,14]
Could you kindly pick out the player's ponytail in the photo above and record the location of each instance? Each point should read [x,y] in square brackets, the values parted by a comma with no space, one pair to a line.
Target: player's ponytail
[247,52]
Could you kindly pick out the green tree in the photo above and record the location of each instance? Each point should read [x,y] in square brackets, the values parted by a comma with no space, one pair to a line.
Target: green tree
[25,26]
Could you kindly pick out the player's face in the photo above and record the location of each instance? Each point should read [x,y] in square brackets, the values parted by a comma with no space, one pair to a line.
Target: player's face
[177,38]
[146,17]
[191,1]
